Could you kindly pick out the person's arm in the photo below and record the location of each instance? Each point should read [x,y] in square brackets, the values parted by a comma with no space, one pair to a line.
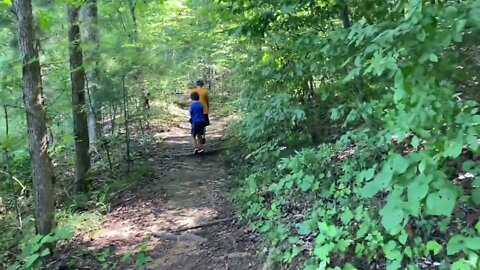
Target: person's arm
[190,120]
[206,97]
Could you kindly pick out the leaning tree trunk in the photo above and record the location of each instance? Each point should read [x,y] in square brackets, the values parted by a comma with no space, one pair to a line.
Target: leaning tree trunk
[91,34]
[37,128]
[80,126]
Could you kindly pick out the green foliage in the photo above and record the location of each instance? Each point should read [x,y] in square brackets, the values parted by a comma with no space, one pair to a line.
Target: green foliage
[39,247]
[392,186]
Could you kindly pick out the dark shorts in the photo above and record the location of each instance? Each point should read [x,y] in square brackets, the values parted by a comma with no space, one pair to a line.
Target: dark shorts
[207,120]
[198,129]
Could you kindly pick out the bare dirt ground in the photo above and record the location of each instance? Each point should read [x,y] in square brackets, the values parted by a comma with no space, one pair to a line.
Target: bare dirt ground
[181,191]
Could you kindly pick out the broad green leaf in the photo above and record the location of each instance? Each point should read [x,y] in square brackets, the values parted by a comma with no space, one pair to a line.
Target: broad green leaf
[454,149]
[456,244]
[126,257]
[441,202]
[323,251]
[477,227]
[418,189]
[400,164]
[381,181]
[421,35]
[432,57]
[392,218]
[415,142]
[461,264]
[32,261]
[47,239]
[304,228]
[346,216]
[472,243]
[434,247]
[45,252]
[476,196]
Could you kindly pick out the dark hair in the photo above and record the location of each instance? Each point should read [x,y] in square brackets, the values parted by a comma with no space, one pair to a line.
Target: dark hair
[199,83]
[195,96]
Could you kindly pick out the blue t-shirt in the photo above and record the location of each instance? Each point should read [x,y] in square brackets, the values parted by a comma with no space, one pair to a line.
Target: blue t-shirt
[196,113]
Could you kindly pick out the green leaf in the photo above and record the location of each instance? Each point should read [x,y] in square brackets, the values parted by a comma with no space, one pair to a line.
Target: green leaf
[476,196]
[142,259]
[400,164]
[461,264]
[473,243]
[399,86]
[455,244]
[304,228]
[477,227]
[421,35]
[392,218]
[32,260]
[418,189]
[454,149]
[433,246]
[432,57]
[306,183]
[287,9]
[323,251]
[415,142]
[126,257]
[47,239]
[381,181]
[346,216]
[349,266]
[441,202]
[45,252]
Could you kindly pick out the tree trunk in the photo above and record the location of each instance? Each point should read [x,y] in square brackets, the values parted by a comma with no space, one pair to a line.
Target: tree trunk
[36,120]
[80,126]
[344,16]
[139,76]
[91,34]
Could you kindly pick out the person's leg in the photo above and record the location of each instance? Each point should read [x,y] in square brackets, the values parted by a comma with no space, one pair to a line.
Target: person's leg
[199,143]
[194,140]
[207,123]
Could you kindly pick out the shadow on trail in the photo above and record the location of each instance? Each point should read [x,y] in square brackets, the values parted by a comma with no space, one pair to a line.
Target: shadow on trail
[178,191]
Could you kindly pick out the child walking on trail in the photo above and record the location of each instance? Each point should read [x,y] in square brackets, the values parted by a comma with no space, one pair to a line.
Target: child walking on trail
[197,119]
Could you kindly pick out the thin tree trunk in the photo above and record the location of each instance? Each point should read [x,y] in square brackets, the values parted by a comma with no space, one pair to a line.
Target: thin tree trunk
[139,76]
[91,33]
[344,14]
[80,126]
[36,120]
[127,128]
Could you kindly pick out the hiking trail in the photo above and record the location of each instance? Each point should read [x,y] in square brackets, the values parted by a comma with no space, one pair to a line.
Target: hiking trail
[182,191]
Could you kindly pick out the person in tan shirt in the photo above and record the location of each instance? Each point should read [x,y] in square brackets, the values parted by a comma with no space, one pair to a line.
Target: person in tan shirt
[203,93]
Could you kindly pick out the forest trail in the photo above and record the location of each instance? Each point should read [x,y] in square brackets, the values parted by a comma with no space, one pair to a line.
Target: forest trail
[181,190]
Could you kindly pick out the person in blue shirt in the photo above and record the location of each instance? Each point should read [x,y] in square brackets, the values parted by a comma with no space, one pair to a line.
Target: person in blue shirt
[197,119]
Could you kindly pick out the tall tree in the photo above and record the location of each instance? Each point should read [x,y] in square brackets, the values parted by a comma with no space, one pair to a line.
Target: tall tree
[37,128]
[91,37]
[77,75]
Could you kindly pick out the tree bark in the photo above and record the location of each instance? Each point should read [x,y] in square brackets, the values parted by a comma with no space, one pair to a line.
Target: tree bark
[344,14]
[80,126]
[139,76]
[91,37]
[36,120]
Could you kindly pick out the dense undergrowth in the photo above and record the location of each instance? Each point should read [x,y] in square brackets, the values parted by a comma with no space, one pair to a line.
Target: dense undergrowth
[360,146]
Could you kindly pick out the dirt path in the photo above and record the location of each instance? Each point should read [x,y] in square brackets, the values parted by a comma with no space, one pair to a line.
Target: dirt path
[182,190]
